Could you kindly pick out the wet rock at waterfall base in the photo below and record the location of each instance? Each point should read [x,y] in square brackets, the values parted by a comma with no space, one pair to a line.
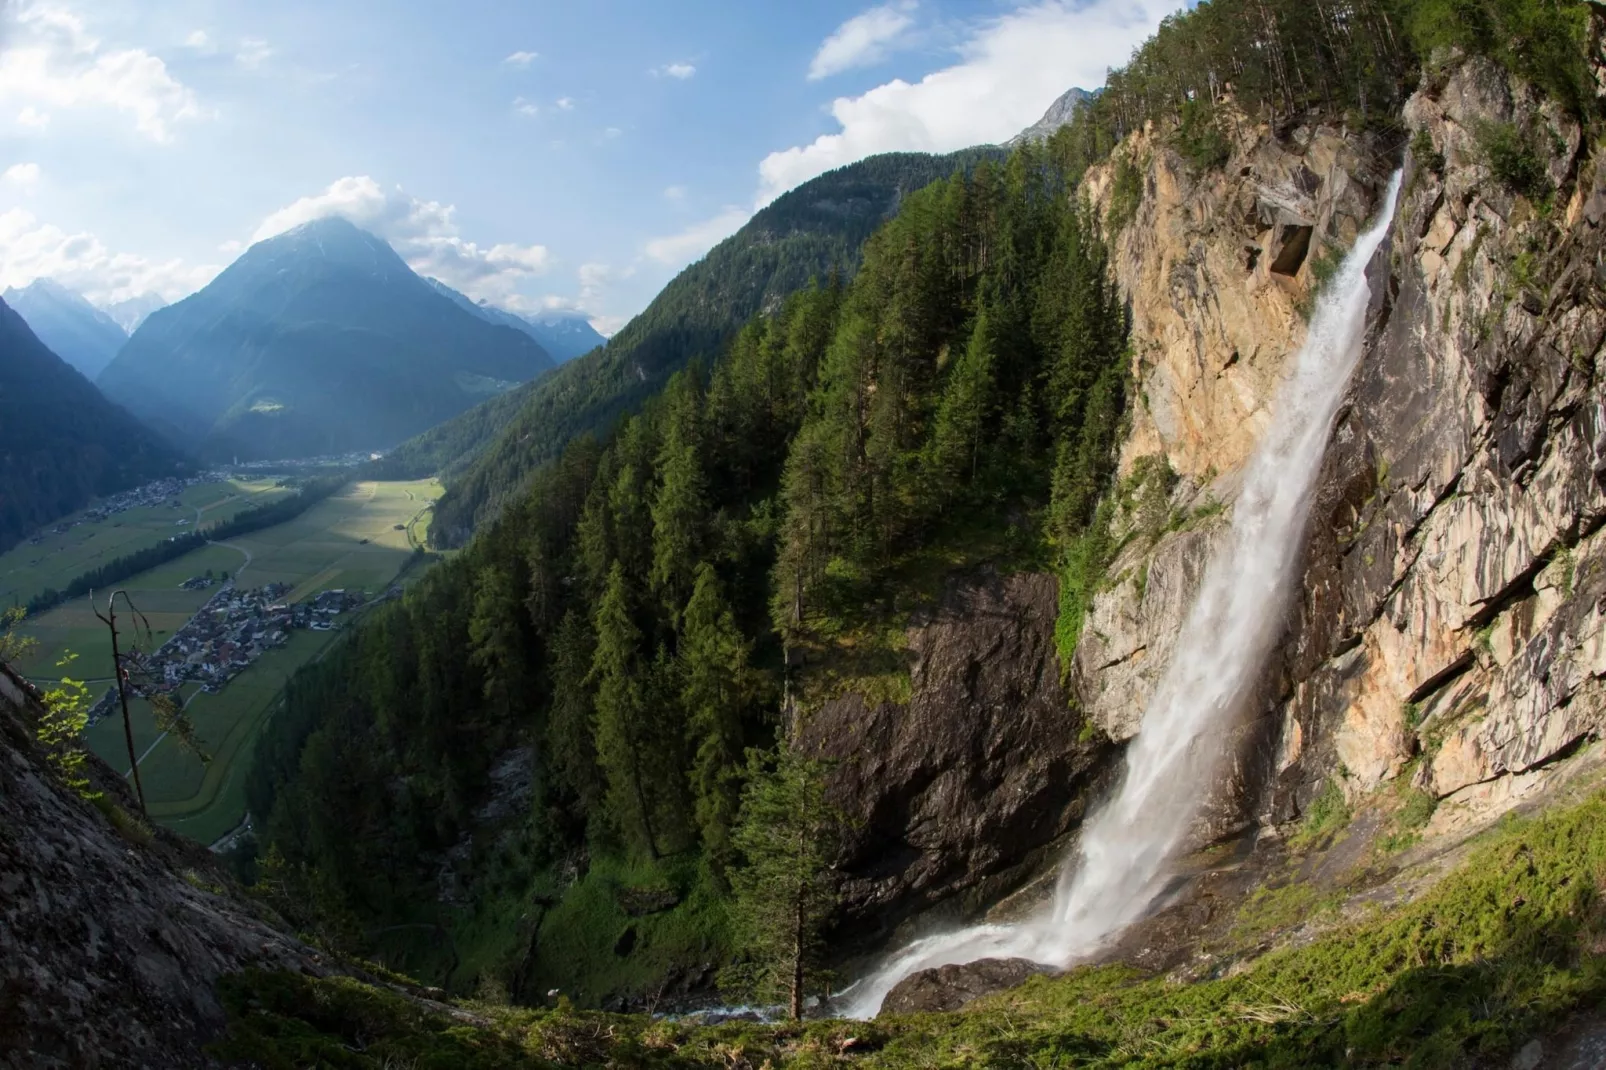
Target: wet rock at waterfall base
[947,988]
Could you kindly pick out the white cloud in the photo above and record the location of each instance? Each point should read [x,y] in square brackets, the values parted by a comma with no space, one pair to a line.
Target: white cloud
[682,71]
[199,40]
[525,107]
[32,118]
[594,279]
[565,103]
[679,249]
[231,247]
[675,193]
[30,249]
[1010,70]
[24,176]
[252,53]
[862,41]
[522,59]
[50,59]
[423,232]
[611,132]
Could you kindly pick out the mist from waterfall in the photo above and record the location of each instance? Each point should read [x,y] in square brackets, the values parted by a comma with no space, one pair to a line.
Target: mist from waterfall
[1120,865]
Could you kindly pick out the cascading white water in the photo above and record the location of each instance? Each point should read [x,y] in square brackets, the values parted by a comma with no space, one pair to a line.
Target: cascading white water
[1119,867]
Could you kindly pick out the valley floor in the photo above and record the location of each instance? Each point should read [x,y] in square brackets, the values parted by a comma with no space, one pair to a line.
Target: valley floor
[362,538]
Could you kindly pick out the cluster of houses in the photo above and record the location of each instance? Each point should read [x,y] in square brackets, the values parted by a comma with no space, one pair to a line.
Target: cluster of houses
[235,628]
[161,493]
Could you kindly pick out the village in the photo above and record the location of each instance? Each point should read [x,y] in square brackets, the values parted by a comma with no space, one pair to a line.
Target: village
[162,492]
[230,632]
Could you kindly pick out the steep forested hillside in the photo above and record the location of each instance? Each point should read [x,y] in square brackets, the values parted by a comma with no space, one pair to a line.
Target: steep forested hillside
[320,340]
[617,621]
[810,232]
[61,442]
[75,330]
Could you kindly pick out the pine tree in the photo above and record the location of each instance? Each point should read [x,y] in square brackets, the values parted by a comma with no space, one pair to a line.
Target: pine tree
[963,413]
[571,742]
[623,738]
[680,507]
[497,646]
[786,891]
[717,686]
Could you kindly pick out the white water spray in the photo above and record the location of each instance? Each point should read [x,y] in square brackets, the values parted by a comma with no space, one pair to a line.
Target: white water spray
[1120,866]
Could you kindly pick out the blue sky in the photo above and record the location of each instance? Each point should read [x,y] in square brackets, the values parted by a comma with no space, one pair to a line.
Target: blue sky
[537,154]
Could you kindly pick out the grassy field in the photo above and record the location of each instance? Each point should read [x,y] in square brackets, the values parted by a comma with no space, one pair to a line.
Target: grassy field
[58,559]
[360,538]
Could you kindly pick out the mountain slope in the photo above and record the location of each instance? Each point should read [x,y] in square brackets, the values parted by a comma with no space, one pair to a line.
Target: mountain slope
[564,335]
[75,330]
[320,340]
[811,231]
[61,442]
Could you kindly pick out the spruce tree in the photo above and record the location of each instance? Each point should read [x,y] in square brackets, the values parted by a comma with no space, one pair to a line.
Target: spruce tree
[716,686]
[963,413]
[789,836]
[623,738]
[680,507]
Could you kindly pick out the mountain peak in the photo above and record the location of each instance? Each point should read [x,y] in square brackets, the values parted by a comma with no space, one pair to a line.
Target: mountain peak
[1059,113]
[69,325]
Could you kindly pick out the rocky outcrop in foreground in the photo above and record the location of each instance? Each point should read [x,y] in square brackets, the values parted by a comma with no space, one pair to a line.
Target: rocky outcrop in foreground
[111,945]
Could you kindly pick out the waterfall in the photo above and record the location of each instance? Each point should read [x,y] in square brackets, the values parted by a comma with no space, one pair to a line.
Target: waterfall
[1120,865]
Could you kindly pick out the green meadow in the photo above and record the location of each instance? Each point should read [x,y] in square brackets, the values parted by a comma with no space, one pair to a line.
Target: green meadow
[361,538]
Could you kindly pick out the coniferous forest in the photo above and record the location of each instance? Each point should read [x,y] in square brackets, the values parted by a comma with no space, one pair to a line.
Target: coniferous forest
[628,619]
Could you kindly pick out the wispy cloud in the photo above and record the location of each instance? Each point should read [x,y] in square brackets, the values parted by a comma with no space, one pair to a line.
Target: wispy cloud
[51,61]
[565,103]
[23,176]
[677,250]
[863,40]
[253,53]
[526,107]
[199,40]
[522,59]
[31,249]
[681,71]
[675,193]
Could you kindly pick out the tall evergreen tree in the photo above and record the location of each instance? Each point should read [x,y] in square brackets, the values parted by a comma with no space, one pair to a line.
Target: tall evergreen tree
[623,736]
[789,837]
[717,686]
[680,509]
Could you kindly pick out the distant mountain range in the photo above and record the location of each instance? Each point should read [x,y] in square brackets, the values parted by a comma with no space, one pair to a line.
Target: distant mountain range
[1059,113]
[564,335]
[131,313]
[62,443]
[320,340]
[810,232]
[72,328]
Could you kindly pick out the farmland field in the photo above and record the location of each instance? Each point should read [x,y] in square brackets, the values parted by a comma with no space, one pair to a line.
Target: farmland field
[361,538]
[27,570]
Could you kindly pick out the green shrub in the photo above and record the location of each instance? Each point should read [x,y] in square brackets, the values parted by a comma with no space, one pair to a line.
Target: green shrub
[1126,194]
[1326,815]
[1199,139]
[1514,157]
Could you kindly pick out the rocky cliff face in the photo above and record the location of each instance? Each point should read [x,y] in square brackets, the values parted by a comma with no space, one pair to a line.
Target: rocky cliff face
[1449,621]
[969,788]
[110,943]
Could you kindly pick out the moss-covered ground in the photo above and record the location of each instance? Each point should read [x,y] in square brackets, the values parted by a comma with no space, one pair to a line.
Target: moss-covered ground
[1504,948]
